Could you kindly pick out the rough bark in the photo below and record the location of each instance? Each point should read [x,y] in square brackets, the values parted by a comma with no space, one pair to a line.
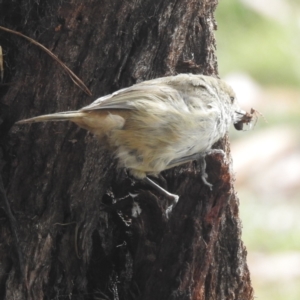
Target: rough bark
[76,237]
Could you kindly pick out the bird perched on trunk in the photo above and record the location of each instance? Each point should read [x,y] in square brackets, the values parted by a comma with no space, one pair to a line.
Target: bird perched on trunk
[161,123]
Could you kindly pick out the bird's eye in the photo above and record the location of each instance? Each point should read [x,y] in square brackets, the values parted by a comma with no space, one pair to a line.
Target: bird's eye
[232,99]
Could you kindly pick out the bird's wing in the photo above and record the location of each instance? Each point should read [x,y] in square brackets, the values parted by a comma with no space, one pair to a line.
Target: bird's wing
[125,98]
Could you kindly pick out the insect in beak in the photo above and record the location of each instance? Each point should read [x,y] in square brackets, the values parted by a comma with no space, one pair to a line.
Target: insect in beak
[247,118]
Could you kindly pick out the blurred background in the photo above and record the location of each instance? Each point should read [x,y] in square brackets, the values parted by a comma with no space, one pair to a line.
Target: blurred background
[258,48]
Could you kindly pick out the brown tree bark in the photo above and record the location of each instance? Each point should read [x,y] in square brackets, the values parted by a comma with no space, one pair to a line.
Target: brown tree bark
[74,234]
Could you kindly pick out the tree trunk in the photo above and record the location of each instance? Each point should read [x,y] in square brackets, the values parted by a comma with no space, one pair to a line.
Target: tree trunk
[70,231]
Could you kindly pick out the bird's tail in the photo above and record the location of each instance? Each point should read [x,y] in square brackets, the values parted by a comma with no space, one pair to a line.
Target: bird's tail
[62,116]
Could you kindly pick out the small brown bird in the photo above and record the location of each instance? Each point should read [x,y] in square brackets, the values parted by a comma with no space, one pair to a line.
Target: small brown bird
[161,123]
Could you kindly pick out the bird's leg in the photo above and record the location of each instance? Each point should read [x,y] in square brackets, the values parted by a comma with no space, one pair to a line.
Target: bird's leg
[164,192]
[203,165]
[201,158]
[168,195]
[197,156]
[204,175]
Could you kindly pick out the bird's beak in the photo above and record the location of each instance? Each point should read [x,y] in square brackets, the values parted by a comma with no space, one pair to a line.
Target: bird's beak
[239,125]
[240,119]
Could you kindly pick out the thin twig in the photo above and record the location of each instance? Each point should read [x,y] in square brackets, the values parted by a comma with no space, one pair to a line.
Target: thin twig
[73,77]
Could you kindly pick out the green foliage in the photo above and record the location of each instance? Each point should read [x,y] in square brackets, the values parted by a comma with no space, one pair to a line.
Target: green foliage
[265,48]
[268,50]
[286,290]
